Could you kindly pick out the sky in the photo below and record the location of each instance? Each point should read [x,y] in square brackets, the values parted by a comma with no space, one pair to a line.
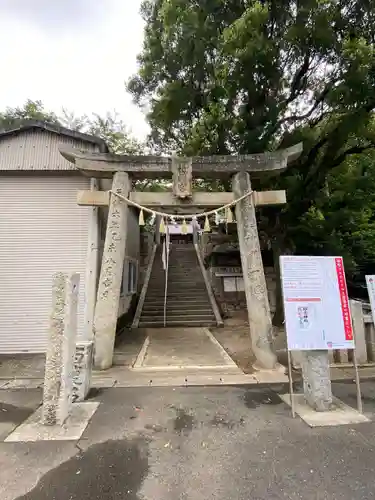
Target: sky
[75,54]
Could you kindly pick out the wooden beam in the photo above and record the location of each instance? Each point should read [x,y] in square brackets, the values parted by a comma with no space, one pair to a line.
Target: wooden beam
[262,198]
[165,199]
[143,167]
[160,200]
[93,198]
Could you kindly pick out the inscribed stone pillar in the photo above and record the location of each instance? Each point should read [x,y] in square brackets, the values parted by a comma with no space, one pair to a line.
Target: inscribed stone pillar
[108,299]
[91,277]
[58,378]
[253,275]
[316,379]
[82,370]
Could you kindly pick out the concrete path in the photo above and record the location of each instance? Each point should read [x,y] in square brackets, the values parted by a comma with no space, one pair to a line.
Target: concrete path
[176,348]
[27,372]
[223,443]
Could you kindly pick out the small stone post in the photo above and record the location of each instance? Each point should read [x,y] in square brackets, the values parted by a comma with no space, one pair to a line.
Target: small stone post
[258,307]
[58,378]
[316,379]
[107,304]
[359,331]
[82,370]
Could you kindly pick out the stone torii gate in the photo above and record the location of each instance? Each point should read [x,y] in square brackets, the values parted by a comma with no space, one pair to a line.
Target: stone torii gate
[123,169]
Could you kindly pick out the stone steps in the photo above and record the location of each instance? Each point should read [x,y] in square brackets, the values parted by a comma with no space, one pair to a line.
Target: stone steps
[189,273]
[177,312]
[181,322]
[159,283]
[182,309]
[179,288]
[173,301]
[179,297]
[188,303]
[178,291]
[184,316]
[180,274]
[197,297]
[192,274]
[177,282]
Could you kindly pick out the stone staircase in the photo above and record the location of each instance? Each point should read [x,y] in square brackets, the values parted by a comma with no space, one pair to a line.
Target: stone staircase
[188,303]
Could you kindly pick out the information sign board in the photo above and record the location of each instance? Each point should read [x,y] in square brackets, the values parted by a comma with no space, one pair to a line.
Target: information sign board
[370,280]
[316,304]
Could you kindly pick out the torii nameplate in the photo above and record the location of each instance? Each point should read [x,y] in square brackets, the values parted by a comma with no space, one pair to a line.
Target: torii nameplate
[182,177]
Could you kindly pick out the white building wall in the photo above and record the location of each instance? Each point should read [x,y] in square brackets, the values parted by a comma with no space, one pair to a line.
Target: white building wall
[132,253]
[42,231]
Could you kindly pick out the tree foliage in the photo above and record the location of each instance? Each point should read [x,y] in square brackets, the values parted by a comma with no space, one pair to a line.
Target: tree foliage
[31,110]
[246,76]
[110,127]
[342,219]
[235,76]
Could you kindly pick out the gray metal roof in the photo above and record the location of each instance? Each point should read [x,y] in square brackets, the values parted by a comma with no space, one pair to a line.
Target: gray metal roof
[56,129]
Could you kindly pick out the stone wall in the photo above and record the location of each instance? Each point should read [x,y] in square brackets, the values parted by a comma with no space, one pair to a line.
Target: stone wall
[235,301]
[146,246]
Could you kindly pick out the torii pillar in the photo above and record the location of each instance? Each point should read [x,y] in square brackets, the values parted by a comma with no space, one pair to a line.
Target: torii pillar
[108,298]
[257,302]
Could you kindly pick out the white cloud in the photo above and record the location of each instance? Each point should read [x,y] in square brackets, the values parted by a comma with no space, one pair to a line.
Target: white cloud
[69,54]
[56,16]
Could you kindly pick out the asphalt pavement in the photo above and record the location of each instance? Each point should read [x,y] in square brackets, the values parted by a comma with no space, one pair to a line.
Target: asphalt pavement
[196,443]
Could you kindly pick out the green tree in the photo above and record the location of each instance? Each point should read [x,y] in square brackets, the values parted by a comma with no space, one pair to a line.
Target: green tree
[223,76]
[31,110]
[342,219]
[245,76]
[110,127]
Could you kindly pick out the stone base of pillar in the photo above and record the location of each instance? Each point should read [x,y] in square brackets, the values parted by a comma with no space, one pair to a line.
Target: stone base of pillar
[276,368]
[265,361]
[316,379]
[296,359]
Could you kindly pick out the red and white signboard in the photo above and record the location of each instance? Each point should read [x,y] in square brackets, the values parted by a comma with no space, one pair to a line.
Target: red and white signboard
[316,303]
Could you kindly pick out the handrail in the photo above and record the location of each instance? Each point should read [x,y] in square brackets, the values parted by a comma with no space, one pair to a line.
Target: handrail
[142,296]
[166,243]
[219,320]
